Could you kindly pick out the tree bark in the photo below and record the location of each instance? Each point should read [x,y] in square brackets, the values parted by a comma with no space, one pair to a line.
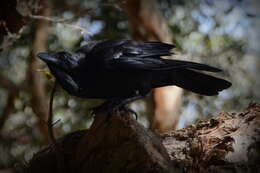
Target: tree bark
[123,145]
[117,143]
[36,82]
[148,24]
[228,143]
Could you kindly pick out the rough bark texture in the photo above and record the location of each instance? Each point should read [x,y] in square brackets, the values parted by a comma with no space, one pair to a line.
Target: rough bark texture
[36,83]
[148,24]
[116,143]
[229,143]
[119,144]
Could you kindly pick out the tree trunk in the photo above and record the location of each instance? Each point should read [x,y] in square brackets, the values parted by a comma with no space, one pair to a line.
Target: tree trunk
[36,83]
[148,24]
[117,143]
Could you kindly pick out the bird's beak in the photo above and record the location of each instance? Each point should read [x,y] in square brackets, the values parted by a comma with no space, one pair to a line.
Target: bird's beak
[48,58]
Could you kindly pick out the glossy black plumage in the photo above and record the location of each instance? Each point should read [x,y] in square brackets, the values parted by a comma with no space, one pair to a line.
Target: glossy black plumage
[120,69]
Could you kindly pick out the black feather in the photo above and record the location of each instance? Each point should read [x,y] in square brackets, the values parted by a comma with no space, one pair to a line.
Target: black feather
[193,81]
[121,68]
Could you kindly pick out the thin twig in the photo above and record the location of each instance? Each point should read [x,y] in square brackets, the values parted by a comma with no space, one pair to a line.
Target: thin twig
[56,122]
[51,19]
[62,21]
[59,154]
[50,117]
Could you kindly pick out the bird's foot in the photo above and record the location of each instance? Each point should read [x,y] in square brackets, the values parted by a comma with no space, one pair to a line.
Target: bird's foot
[109,106]
[112,107]
[129,110]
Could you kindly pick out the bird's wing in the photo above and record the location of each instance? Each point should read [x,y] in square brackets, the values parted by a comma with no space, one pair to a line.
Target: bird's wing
[123,54]
[158,64]
[118,48]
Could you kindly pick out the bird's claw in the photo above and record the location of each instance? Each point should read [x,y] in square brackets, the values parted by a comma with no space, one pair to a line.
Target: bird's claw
[105,107]
[111,108]
[127,109]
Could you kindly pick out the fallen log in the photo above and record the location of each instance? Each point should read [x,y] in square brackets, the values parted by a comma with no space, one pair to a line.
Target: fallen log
[118,143]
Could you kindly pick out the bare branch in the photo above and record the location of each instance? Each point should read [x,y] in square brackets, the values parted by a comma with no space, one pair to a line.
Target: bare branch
[50,117]
[51,19]
[61,21]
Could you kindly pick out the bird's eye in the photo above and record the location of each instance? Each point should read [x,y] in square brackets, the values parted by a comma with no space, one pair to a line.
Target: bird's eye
[63,55]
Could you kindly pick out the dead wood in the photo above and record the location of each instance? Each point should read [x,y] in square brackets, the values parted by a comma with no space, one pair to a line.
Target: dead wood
[117,143]
[227,143]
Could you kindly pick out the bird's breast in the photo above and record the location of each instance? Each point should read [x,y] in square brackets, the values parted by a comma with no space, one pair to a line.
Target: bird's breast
[109,84]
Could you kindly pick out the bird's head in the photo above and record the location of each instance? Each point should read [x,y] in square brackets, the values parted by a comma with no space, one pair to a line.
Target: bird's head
[62,66]
[62,60]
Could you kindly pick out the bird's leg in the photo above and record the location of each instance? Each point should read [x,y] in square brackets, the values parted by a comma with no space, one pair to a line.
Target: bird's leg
[109,106]
[116,104]
[106,106]
[127,109]
[122,105]
[125,101]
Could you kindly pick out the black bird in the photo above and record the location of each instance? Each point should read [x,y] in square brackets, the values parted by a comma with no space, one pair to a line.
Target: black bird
[122,71]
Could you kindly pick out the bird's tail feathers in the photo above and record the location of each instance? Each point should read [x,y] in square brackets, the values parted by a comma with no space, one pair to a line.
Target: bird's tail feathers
[178,64]
[195,81]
